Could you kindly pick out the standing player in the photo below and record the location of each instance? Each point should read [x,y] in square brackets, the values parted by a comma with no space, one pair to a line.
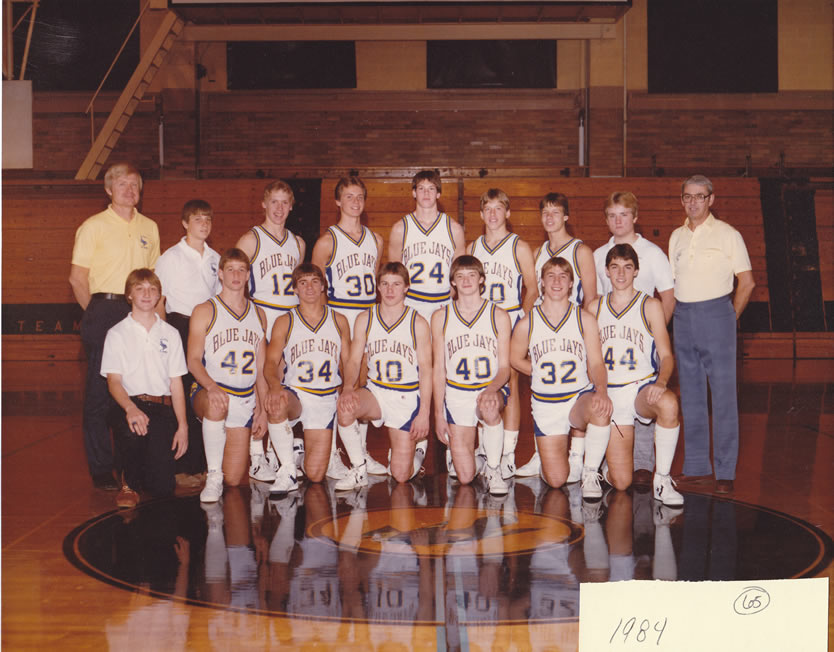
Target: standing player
[144,364]
[350,255]
[633,332]
[555,214]
[226,357]
[274,252]
[557,344]
[396,341]
[509,269]
[304,360]
[471,338]
[188,273]
[655,276]
[426,241]
[108,246]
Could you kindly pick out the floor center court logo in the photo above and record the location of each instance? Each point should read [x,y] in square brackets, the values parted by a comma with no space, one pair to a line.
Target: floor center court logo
[443,532]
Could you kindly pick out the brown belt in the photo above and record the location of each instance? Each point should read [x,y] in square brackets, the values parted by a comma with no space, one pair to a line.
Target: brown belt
[162,400]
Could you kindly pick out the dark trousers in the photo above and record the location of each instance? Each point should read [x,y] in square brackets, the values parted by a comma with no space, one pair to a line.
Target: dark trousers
[147,460]
[194,460]
[101,315]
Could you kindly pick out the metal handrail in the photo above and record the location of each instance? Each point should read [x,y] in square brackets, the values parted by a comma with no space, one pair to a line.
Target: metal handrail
[109,70]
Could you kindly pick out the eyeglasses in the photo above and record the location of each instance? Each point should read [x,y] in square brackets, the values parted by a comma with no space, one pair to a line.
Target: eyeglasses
[698,199]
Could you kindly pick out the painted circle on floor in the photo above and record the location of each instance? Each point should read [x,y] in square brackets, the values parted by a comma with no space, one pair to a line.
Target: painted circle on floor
[421,557]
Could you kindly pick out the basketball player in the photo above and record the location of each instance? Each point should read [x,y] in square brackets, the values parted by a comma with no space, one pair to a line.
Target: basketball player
[426,241]
[471,339]
[274,251]
[144,364]
[350,255]
[396,341]
[188,273]
[226,357]
[509,268]
[557,345]
[655,276]
[555,214]
[633,334]
[304,362]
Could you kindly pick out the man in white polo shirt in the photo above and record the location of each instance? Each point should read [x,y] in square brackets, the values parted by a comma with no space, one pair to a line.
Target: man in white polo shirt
[708,256]
[655,275]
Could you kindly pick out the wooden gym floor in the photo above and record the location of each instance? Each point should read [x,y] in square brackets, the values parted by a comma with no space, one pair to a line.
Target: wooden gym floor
[422,566]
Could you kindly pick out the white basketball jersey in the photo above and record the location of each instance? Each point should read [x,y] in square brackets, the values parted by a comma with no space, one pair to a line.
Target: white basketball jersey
[312,353]
[314,585]
[628,348]
[557,352]
[351,270]
[392,351]
[503,273]
[427,254]
[568,252]
[270,275]
[231,347]
[470,348]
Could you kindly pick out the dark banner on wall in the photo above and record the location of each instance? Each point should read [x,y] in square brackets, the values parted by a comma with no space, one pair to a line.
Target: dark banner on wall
[42,318]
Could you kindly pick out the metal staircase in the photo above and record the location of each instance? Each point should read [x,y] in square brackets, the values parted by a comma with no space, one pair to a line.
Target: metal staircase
[153,58]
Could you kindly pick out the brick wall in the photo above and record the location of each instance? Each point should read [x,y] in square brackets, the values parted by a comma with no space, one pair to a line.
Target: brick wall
[467,129]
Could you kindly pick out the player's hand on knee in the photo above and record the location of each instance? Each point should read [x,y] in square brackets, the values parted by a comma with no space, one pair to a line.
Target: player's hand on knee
[348,402]
[276,402]
[218,400]
[488,405]
[137,421]
[602,406]
[654,392]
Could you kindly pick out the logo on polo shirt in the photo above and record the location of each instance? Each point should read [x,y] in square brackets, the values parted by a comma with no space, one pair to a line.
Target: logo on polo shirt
[163,345]
[143,241]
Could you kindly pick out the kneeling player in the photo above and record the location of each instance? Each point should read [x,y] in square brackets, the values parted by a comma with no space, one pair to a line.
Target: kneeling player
[225,356]
[307,349]
[633,331]
[396,341]
[470,338]
[557,344]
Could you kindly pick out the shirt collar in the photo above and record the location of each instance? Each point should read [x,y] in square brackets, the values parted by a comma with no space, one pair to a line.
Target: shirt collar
[708,223]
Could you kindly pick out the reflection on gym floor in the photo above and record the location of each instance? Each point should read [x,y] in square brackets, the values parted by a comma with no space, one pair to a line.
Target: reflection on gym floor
[430,553]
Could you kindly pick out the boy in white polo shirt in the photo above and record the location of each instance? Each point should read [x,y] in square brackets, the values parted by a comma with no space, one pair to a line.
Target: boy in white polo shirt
[188,273]
[143,362]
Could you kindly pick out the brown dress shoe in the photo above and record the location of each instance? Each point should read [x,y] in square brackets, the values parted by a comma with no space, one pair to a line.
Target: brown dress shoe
[127,498]
[724,487]
[642,478]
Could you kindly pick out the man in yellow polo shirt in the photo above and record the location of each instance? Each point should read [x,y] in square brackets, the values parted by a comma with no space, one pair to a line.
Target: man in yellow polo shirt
[108,246]
[708,256]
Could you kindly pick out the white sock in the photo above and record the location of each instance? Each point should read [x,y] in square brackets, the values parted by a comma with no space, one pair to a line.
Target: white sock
[665,442]
[363,438]
[214,442]
[493,441]
[577,445]
[256,447]
[510,440]
[596,442]
[352,439]
[280,436]
[333,438]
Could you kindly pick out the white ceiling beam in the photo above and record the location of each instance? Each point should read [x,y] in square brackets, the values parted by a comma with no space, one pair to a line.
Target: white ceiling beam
[424,32]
